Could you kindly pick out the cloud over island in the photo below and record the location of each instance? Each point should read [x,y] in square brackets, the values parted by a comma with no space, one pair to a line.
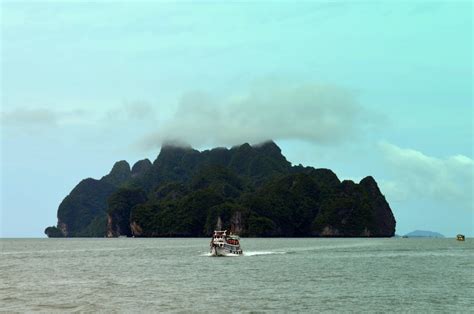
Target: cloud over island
[316,113]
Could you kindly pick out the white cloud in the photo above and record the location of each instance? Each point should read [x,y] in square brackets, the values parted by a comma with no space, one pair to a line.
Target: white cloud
[36,118]
[315,113]
[26,116]
[417,176]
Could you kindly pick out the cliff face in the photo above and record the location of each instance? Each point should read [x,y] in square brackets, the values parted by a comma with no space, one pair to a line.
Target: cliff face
[83,212]
[250,190]
[118,212]
[355,210]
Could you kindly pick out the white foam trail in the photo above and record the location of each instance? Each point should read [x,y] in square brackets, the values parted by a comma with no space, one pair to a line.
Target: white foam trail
[256,253]
[251,253]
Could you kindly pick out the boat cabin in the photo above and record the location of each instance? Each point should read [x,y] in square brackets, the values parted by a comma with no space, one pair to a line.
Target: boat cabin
[223,236]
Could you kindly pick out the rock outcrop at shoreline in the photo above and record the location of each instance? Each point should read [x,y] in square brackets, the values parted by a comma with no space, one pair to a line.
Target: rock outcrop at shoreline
[249,190]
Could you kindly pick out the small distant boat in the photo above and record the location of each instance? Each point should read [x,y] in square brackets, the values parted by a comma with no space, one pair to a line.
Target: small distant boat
[460,237]
[223,244]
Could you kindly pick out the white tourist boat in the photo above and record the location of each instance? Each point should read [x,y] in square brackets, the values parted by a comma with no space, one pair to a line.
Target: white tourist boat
[223,244]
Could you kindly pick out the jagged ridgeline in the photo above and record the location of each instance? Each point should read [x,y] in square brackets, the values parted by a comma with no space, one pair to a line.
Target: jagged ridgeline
[249,190]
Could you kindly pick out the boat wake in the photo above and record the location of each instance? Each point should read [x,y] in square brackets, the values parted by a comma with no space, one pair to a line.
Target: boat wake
[252,253]
[256,253]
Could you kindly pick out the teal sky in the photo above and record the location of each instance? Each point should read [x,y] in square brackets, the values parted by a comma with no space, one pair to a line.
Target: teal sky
[363,88]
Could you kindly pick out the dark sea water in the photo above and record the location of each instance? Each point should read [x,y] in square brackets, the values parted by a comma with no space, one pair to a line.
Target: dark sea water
[284,275]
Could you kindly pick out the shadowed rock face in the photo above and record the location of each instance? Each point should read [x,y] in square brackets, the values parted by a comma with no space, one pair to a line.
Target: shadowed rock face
[384,219]
[355,210]
[140,167]
[249,190]
[120,173]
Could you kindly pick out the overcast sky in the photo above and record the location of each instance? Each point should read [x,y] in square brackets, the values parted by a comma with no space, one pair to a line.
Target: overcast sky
[362,88]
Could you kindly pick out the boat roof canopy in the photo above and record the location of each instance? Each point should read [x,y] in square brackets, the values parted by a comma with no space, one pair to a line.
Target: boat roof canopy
[224,233]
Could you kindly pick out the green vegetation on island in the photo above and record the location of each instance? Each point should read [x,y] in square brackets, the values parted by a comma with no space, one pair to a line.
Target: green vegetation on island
[249,190]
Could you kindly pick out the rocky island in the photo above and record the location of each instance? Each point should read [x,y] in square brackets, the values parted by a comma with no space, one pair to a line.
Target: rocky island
[249,190]
[423,234]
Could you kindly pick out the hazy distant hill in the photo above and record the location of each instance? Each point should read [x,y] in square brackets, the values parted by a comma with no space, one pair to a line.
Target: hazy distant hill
[252,190]
[423,234]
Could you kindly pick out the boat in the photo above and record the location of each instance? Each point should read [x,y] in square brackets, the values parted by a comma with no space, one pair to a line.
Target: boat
[223,244]
[460,237]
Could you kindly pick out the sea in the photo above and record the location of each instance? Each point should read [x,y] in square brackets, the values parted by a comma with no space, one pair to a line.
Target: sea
[274,275]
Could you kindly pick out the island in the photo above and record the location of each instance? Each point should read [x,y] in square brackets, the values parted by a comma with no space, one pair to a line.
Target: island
[249,190]
[423,234]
